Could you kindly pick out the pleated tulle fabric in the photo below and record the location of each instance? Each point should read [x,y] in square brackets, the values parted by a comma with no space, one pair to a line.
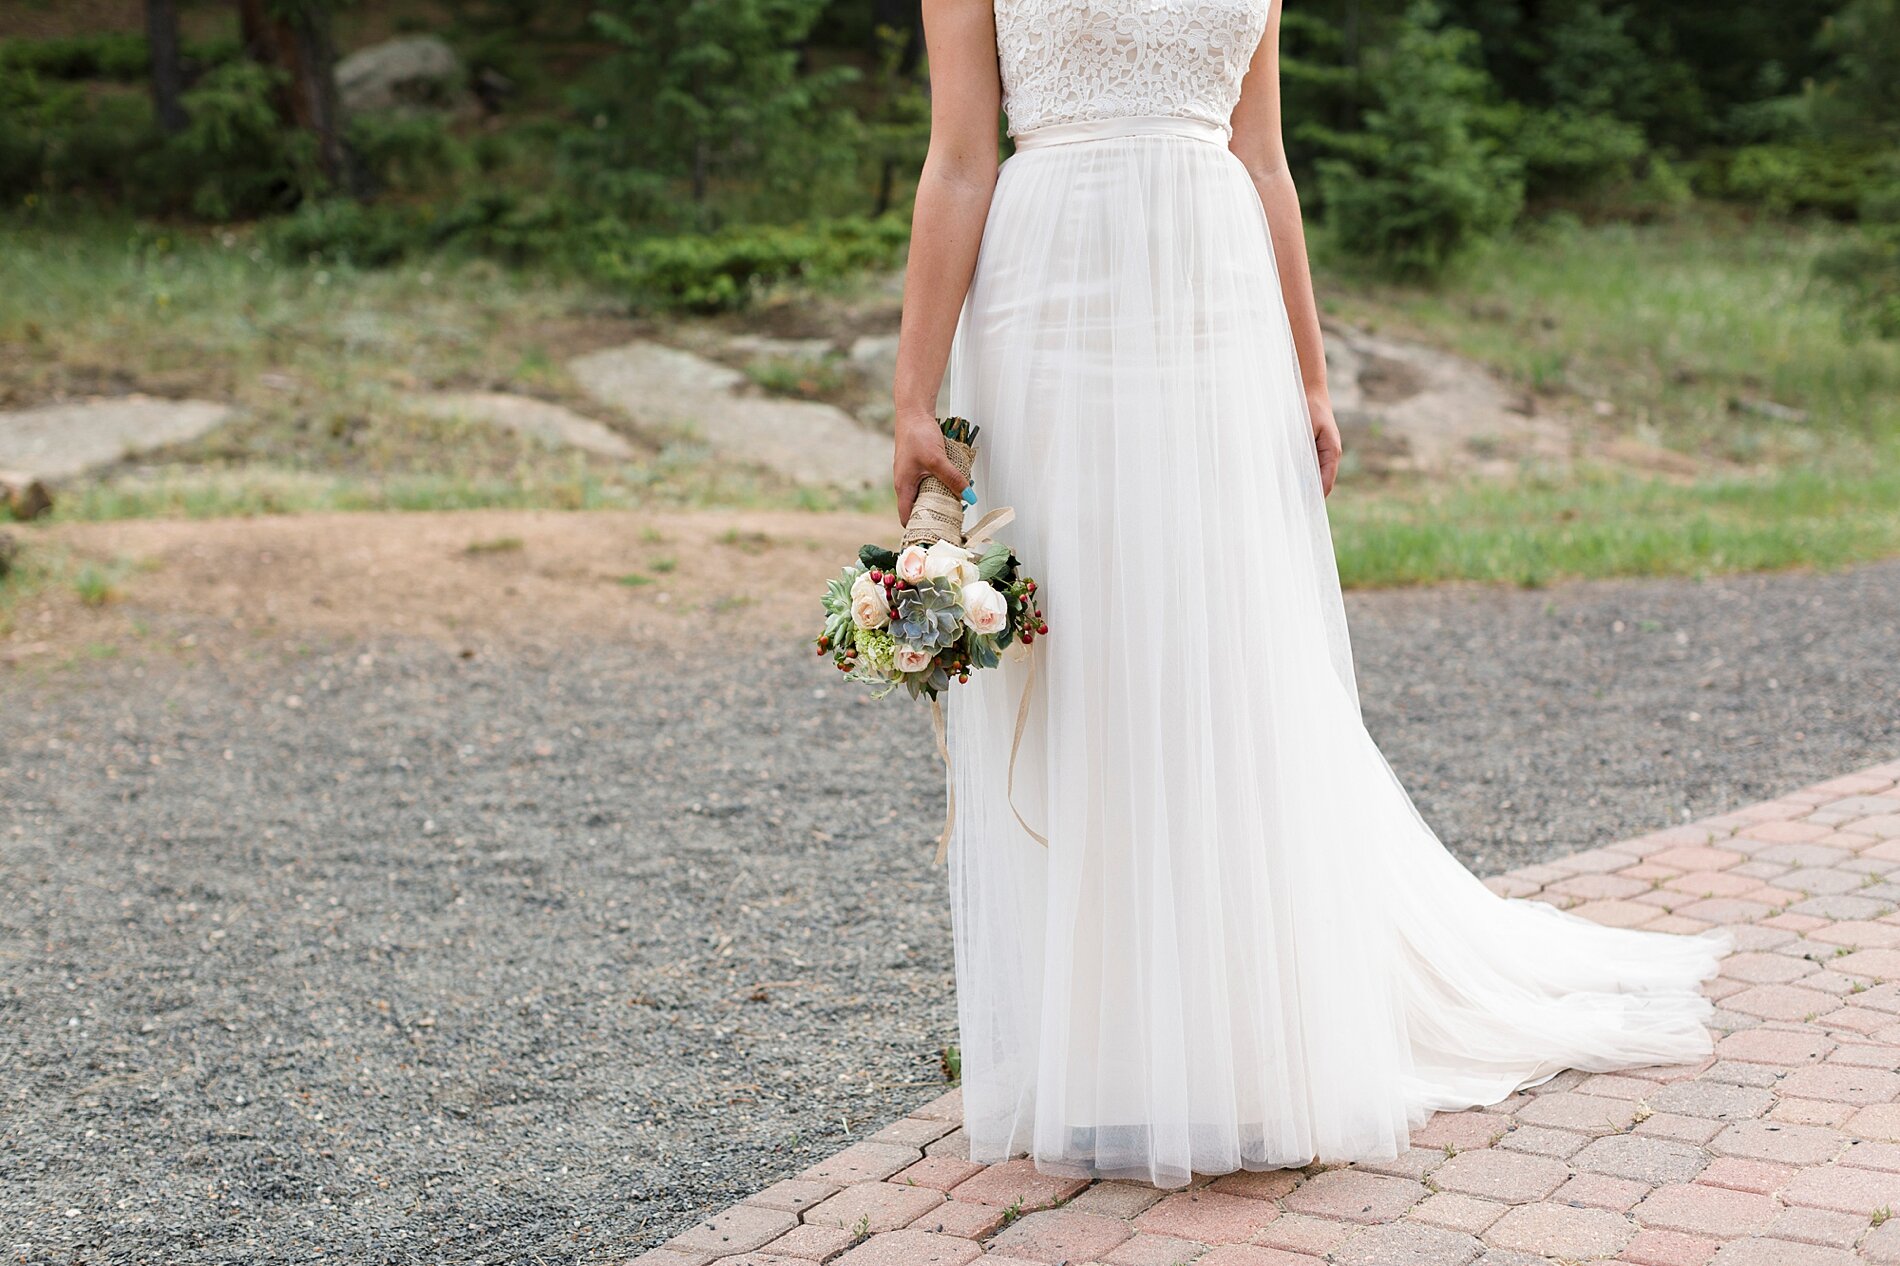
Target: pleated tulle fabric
[1242,947]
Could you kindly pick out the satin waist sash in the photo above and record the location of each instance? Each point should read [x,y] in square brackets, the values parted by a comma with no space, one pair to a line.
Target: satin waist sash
[1117,129]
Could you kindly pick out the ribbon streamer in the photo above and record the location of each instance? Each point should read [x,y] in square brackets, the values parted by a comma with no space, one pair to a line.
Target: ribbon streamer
[981,533]
[1015,746]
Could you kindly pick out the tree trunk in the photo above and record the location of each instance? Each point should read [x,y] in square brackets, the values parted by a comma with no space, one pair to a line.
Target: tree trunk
[296,40]
[168,71]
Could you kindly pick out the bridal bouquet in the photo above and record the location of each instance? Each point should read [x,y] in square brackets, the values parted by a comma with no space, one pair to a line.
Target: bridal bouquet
[936,608]
[919,616]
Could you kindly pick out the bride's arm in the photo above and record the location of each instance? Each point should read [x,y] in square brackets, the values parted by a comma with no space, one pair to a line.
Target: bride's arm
[953,201]
[1257,143]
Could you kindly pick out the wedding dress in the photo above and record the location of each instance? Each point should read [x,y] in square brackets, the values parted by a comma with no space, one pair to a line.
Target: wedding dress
[1241,946]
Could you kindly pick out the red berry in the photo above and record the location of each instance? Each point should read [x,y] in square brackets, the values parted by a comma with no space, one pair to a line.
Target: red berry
[1042,628]
[1028,638]
[877,576]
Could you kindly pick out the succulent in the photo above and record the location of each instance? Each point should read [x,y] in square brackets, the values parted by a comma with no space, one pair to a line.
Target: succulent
[838,622]
[928,616]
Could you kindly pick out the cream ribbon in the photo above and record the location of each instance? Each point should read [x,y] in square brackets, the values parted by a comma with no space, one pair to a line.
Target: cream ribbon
[980,532]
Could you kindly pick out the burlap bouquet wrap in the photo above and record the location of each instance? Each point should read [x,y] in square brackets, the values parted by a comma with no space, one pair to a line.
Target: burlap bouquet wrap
[937,514]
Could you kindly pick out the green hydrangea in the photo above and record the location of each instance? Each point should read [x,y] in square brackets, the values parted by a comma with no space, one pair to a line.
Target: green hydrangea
[875,647]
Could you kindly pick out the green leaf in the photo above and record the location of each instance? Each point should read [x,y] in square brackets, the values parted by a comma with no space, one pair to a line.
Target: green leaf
[877,556]
[991,562]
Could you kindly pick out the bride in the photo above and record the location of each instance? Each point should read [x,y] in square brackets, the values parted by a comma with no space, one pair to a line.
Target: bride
[1241,946]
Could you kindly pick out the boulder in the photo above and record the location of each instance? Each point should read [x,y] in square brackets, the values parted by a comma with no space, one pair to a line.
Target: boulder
[57,441]
[552,424]
[412,74]
[665,388]
[25,497]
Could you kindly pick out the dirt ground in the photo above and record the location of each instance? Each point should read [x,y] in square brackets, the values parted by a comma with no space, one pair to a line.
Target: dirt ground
[467,579]
[416,888]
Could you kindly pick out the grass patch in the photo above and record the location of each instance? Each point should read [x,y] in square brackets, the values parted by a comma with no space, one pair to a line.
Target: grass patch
[185,492]
[1691,332]
[1603,524]
[1685,328]
[24,572]
[36,568]
[634,579]
[110,302]
[806,378]
[499,545]
[95,584]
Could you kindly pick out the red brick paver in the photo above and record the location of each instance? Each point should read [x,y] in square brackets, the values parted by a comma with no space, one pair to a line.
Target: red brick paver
[1782,1149]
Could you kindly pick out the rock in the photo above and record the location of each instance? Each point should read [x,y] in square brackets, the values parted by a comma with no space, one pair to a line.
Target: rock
[25,498]
[875,357]
[1406,406]
[58,441]
[412,74]
[1773,410]
[812,349]
[552,424]
[802,440]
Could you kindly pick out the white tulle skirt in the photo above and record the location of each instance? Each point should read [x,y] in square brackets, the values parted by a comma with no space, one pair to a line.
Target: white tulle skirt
[1242,947]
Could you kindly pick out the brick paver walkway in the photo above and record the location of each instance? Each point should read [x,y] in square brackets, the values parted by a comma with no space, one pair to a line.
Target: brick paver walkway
[1783,1149]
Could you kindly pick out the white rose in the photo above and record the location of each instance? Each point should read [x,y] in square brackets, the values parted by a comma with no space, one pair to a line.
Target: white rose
[908,659]
[984,608]
[869,610]
[945,561]
[910,564]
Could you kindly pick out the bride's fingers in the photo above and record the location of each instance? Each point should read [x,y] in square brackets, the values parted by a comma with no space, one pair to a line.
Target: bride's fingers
[1329,452]
[946,471]
[906,484]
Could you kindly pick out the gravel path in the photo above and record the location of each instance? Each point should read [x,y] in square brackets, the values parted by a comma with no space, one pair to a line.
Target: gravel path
[398,957]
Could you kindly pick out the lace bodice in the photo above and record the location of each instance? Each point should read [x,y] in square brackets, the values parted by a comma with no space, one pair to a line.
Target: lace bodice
[1066,61]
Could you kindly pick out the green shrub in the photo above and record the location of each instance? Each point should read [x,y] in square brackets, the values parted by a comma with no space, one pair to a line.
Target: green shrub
[106,150]
[1860,99]
[407,153]
[1418,185]
[235,158]
[725,270]
[28,111]
[1569,154]
[498,224]
[542,228]
[1830,178]
[121,56]
[340,231]
[716,99]
[1866,267]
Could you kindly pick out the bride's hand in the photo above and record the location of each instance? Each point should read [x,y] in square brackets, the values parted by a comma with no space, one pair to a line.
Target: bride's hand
[919,453]
[1326,440]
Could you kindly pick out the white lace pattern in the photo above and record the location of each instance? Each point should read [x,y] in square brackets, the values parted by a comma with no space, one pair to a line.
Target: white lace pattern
[1067,61]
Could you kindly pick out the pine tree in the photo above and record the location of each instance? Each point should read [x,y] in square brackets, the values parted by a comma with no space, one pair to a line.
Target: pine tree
[1418,185]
